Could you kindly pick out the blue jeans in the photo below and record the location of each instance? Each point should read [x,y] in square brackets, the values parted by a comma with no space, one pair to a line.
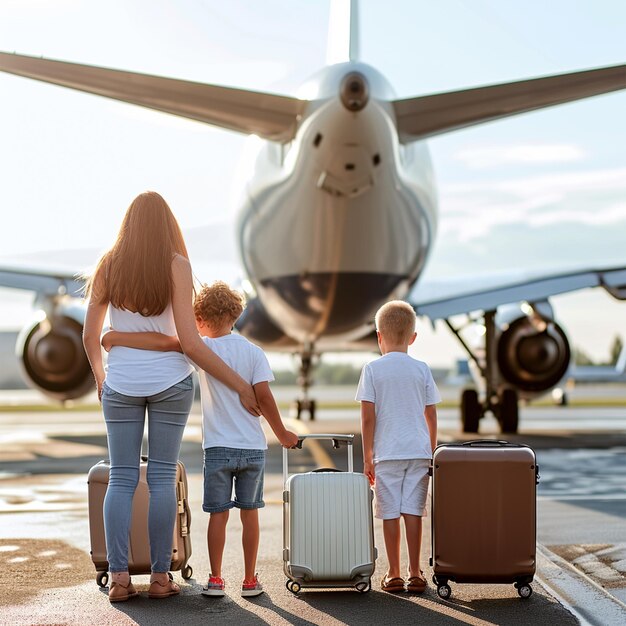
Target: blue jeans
[124,416]
[225,468]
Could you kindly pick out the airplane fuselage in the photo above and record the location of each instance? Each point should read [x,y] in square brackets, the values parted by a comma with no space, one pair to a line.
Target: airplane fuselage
[340,220]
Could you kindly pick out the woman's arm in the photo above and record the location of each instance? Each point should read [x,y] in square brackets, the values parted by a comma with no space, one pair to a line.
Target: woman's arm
[94,319]
[191,343]
[142,341]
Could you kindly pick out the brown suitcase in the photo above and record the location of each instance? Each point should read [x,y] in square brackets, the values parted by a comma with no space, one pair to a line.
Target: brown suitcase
[484,499]
[138,545]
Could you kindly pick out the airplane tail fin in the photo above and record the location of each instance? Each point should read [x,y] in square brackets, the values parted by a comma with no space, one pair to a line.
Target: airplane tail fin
[343,32]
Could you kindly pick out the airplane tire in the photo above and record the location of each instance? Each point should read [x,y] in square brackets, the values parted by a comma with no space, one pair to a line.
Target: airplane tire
[296,409]
[509,411]
[470,411]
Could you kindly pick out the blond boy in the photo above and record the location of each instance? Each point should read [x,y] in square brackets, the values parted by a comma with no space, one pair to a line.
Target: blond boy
[399,426]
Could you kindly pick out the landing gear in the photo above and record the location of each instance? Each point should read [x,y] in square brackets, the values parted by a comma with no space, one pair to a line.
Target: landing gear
[305,380]
[501,401]
[306,405]
[508,411]
[471,411]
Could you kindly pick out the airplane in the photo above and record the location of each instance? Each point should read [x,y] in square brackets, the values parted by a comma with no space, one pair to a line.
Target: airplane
[600,373]
[339,216]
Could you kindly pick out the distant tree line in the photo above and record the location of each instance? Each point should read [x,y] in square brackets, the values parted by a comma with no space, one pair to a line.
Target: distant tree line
[580,357]
[324,374]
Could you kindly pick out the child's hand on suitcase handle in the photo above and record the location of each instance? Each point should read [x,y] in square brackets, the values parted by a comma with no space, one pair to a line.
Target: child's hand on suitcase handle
[289,439]
[369,471]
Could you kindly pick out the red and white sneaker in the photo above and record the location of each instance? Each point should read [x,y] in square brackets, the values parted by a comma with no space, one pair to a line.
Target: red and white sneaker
[214,587]
[251,587]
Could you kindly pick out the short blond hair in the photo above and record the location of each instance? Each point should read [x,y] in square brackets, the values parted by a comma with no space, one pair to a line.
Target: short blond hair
[396,321]
[217,304]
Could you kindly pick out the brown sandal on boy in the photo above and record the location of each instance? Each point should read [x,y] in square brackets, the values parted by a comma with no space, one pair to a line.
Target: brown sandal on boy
[392,585]
[416,584]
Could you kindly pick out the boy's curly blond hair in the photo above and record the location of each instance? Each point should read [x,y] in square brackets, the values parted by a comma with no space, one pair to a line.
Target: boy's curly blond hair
[217,304]
[396,320]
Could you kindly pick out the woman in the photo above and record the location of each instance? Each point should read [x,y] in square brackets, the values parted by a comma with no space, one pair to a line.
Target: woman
[145,283]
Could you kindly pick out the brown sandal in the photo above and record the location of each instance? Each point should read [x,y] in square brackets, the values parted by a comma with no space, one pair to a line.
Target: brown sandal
[416,584]
[163,590]
[392,585]
[121,593]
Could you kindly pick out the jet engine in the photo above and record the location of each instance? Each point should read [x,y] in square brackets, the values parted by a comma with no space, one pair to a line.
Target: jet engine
[533,352]
[524,353]
[50,349]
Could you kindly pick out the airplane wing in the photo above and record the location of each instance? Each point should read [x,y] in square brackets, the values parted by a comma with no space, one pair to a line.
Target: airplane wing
[445,298]
[45,283]
[267,115]
[426,116]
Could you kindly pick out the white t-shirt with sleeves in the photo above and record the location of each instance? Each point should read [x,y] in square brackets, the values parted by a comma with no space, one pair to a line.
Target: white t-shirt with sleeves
[225,421]
[143,373]
[400,387]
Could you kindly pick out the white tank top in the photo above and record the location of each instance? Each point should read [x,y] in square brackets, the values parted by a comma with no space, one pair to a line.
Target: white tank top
[142,373]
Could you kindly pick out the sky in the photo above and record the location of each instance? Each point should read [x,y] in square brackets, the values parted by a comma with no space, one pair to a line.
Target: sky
[545,190]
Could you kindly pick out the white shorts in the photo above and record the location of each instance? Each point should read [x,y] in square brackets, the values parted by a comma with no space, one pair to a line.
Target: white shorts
[401,487]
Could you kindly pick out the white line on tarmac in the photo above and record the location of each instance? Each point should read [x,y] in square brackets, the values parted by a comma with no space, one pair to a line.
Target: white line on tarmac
[581,596]
[561,498]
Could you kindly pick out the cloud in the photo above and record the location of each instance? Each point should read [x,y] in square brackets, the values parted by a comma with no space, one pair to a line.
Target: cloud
[490,156]
[472,210]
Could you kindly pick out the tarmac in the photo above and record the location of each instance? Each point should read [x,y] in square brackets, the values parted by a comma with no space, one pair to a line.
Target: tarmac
[46,575]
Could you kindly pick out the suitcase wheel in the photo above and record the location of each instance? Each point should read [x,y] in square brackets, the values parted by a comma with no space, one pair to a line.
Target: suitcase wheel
[187,572]
[363,587]
[102,578]
[524,591]
[293,586]
[444,591]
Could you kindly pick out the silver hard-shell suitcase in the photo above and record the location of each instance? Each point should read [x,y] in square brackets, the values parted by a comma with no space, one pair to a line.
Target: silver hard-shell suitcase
[328,529]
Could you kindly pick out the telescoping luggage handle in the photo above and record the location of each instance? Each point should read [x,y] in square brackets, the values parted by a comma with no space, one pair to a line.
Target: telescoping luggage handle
[338,441]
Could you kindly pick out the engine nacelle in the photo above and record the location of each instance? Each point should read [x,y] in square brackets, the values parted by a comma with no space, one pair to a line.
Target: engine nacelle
[50,350]
[257,326]
[533,353]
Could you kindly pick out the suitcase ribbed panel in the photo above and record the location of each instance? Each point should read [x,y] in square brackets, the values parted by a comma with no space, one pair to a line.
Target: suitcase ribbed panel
[330,525]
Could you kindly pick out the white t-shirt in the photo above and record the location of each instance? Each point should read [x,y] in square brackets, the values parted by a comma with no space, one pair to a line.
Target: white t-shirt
[225,421]
[143,373]
[400,388]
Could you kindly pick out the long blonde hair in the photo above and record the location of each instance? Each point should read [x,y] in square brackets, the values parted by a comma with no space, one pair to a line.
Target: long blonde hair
[136,273]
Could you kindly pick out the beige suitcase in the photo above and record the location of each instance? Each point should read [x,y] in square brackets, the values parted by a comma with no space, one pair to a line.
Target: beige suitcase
[138,545]
[484,514]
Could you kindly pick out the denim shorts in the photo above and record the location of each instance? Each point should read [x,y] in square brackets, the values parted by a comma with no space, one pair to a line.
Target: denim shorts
[233,469]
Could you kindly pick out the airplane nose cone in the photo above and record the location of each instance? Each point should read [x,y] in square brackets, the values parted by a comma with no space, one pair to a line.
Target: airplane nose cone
[354,91]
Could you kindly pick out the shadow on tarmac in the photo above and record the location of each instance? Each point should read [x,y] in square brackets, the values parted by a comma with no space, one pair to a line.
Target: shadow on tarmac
[348,607]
